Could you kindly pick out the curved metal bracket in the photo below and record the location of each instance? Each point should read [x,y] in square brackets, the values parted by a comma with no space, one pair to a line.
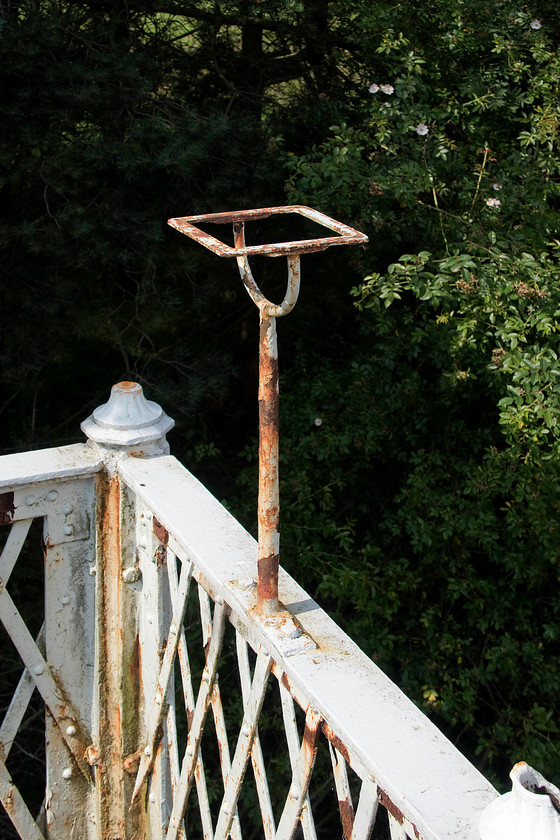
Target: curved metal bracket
[266,307]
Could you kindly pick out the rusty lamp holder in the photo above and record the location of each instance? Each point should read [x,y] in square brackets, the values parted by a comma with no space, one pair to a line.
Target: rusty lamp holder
[268,501]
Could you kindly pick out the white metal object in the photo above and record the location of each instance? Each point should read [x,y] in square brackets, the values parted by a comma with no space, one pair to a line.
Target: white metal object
[137,661]
[128,420]
[530,811]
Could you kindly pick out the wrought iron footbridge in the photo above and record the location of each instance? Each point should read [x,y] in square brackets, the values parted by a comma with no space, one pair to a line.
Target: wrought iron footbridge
[174,708]
[189,687]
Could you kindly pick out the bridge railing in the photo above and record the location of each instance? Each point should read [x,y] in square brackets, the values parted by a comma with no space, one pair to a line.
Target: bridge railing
[173,707]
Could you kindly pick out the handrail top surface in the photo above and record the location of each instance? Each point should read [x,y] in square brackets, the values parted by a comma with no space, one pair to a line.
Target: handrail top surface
[58,463]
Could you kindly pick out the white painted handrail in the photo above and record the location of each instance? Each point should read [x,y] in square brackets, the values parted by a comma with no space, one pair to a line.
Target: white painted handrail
[129,535]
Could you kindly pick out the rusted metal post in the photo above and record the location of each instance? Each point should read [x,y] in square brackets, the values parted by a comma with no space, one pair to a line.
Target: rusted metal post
[127,425]
[269,498]
[268,511]
[269,493]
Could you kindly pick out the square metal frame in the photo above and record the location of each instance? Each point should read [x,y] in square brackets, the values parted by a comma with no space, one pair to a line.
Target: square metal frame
[345,234]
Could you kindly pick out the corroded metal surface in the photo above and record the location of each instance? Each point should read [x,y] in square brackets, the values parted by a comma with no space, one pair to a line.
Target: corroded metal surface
[268,499]
[161,536]
[269,493]
[398,760]
[345,234]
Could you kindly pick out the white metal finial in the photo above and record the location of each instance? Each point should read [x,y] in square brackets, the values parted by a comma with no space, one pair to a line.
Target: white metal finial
[129,419]
[529,812]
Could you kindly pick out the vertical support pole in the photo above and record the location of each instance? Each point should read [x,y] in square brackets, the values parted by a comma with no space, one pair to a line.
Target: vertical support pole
[127,424]
[269,501]
[154,615]
[113,684]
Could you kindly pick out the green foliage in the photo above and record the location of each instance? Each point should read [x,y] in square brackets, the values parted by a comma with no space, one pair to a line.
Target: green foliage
[110,125]
[499,318]
[449,121]
[419,429]
[426,504]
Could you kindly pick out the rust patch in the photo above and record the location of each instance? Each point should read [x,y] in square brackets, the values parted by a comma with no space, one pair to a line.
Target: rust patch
[391,807]
[285,680]
[160,531]
[110,778]
[7,508]
[132,762]
[267,583]
[160,555]
[310,736]
[268,506]
[345,235]
[347,817]
[336,742]
[8,801]
[92,756]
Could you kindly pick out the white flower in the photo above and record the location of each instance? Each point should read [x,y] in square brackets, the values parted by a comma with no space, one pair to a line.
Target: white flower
[493,202]
[373,88]
[496,186]
[536,24]
[388,89]
[422,129]
[318,421]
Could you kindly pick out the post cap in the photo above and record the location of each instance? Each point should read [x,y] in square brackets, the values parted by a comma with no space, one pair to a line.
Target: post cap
[127,419]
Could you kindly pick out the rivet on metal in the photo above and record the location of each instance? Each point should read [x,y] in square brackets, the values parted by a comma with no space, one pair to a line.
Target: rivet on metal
[291,630]
[52,496]
[30,500]
[147,750]
[172,630]
[67,773]
[70,730]
[131,575]
[65,599]
[152,797]
[38,670]
[93,570]
[68,508]
[68,530]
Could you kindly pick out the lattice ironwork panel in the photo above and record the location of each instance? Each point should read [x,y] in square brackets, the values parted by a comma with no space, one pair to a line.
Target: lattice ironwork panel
[46,602]
[22,731]
[244,754]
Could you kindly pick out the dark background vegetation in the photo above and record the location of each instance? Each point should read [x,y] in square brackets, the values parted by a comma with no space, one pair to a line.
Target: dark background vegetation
[423,510]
